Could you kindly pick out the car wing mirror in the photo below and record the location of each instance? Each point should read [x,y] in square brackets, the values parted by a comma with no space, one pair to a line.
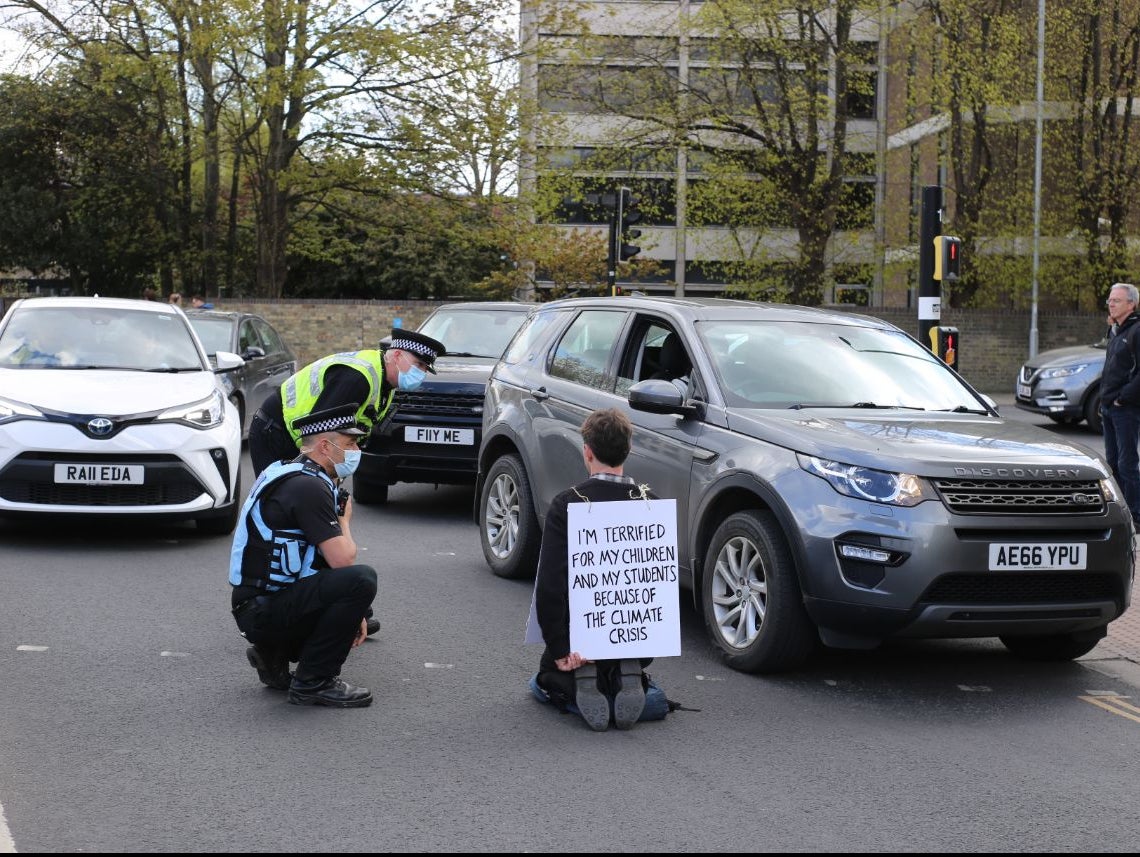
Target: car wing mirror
[253,352]
[227,361]
[656,396]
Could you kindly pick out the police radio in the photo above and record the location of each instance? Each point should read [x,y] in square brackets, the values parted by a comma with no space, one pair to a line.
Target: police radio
[341,502]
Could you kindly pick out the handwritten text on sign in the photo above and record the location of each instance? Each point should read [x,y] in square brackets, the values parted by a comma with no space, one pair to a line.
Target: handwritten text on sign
[622,568]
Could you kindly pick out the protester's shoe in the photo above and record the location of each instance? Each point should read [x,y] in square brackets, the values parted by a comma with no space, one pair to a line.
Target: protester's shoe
[373,625]
[630,700]
[273,672]
[592,703]
[332,692]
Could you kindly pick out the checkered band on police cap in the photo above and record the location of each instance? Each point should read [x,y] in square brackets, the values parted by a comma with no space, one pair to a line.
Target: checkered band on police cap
[424,347]
[341,419]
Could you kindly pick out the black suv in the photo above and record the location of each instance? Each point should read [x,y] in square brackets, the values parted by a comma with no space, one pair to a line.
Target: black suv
[432,434]
[834,480]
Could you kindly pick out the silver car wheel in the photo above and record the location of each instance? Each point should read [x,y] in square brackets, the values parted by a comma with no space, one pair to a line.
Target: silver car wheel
[739,592]
[502,517]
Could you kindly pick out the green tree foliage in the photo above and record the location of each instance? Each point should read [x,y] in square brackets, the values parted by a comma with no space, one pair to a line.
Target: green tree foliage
[81,187]
[258,110]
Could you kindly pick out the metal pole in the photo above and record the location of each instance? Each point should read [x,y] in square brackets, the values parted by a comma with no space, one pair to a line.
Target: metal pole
[929,289]
[1037,172]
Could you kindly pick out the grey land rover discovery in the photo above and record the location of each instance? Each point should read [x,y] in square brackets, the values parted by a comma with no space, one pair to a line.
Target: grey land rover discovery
[834,480]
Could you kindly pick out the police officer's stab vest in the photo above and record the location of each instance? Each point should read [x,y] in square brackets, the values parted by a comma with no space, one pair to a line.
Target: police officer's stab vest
[299,394]
[271,559]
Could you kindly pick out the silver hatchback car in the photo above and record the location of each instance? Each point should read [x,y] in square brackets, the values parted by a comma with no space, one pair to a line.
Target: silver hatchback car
[834,480]
[1064,384]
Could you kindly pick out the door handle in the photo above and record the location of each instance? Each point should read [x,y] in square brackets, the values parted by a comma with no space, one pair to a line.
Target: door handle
[540,394]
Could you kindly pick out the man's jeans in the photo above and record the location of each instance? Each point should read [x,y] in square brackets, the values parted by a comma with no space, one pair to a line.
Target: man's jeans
[1121,439]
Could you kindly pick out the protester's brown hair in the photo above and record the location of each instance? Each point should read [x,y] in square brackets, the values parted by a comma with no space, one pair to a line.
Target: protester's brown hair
[609,433]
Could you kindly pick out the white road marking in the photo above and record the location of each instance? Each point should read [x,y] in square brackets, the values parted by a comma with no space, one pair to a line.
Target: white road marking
[31,648]
[174,654]
[708,678]
[430,666]
[7,844]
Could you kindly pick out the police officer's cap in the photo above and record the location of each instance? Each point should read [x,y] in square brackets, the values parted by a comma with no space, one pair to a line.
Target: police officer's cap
[341,419]
[424,347]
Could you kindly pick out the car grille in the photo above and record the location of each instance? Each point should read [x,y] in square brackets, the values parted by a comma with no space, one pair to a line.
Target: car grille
[100,495]
[28,479]
[438,404]
[1022,588]
[1011,497]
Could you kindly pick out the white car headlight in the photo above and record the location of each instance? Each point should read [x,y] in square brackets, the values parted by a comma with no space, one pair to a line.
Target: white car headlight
[201,415]
[11,410]
[865,483]
[1064,371]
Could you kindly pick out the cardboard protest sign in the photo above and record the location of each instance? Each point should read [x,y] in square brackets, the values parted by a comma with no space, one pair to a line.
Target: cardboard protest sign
[622,570]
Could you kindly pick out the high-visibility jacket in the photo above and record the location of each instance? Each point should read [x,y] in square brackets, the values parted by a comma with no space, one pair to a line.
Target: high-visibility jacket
[299,394]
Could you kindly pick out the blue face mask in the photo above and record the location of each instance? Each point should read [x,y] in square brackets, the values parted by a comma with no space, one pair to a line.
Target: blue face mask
[412,379]
[346,468]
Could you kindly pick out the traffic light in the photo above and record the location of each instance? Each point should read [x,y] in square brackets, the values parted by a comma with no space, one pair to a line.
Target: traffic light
[947,258]
[627,215]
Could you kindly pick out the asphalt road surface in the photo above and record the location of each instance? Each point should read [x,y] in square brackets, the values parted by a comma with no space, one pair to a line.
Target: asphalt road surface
[130,721]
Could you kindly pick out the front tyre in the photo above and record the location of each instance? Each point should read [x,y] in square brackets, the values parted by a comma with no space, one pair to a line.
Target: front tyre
[509,532]
[751,598]
[369,493]
[1055,647]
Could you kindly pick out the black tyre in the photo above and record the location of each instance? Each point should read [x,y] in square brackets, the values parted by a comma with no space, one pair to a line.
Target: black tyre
[222,523]
[752,603]
[1055,647]
[508,530]
[1092,410]
[369,493]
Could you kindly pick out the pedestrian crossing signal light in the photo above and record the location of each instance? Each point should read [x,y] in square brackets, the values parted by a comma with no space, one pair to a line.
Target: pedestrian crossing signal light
[947,258]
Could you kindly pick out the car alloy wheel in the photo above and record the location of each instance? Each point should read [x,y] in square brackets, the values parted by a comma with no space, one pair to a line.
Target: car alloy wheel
[751,597]
[510,535]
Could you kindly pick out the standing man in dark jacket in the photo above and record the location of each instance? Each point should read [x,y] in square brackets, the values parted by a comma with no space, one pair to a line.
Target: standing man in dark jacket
[1120,394]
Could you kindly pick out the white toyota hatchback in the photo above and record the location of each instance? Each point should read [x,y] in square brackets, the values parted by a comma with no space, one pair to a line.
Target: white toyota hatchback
[110,407]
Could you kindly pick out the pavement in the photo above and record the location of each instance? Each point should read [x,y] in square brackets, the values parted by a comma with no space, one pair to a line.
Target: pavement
[1118,654]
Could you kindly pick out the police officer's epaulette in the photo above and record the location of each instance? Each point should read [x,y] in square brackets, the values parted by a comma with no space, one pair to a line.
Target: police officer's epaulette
[312,468]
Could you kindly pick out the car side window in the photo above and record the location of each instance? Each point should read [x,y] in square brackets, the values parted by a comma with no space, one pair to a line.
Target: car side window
[246,336]
[584,350]
[532,330]
[655,352]
[270,340]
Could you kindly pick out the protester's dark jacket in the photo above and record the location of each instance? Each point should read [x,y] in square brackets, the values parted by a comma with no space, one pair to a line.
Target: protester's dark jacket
[1120,380]
[552,594]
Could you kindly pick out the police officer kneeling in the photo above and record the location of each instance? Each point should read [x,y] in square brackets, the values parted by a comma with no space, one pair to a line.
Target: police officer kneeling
[297,593]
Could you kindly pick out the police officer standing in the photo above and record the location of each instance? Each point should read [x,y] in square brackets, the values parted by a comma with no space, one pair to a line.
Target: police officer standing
[298,594]
[370,377]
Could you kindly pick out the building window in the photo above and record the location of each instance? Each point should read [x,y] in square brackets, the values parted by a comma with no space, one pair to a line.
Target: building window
[604,89]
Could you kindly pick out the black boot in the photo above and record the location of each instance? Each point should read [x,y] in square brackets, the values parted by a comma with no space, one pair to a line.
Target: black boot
[272,669]
[332,692]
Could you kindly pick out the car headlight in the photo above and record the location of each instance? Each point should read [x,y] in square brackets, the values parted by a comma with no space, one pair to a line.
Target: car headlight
[865,483]
[11,410]
[201,415]
[1063,371]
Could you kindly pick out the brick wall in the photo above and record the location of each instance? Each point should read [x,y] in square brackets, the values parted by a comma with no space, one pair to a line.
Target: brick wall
[994,343]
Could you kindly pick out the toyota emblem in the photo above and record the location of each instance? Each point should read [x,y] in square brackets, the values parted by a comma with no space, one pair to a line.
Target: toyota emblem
[100,426]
